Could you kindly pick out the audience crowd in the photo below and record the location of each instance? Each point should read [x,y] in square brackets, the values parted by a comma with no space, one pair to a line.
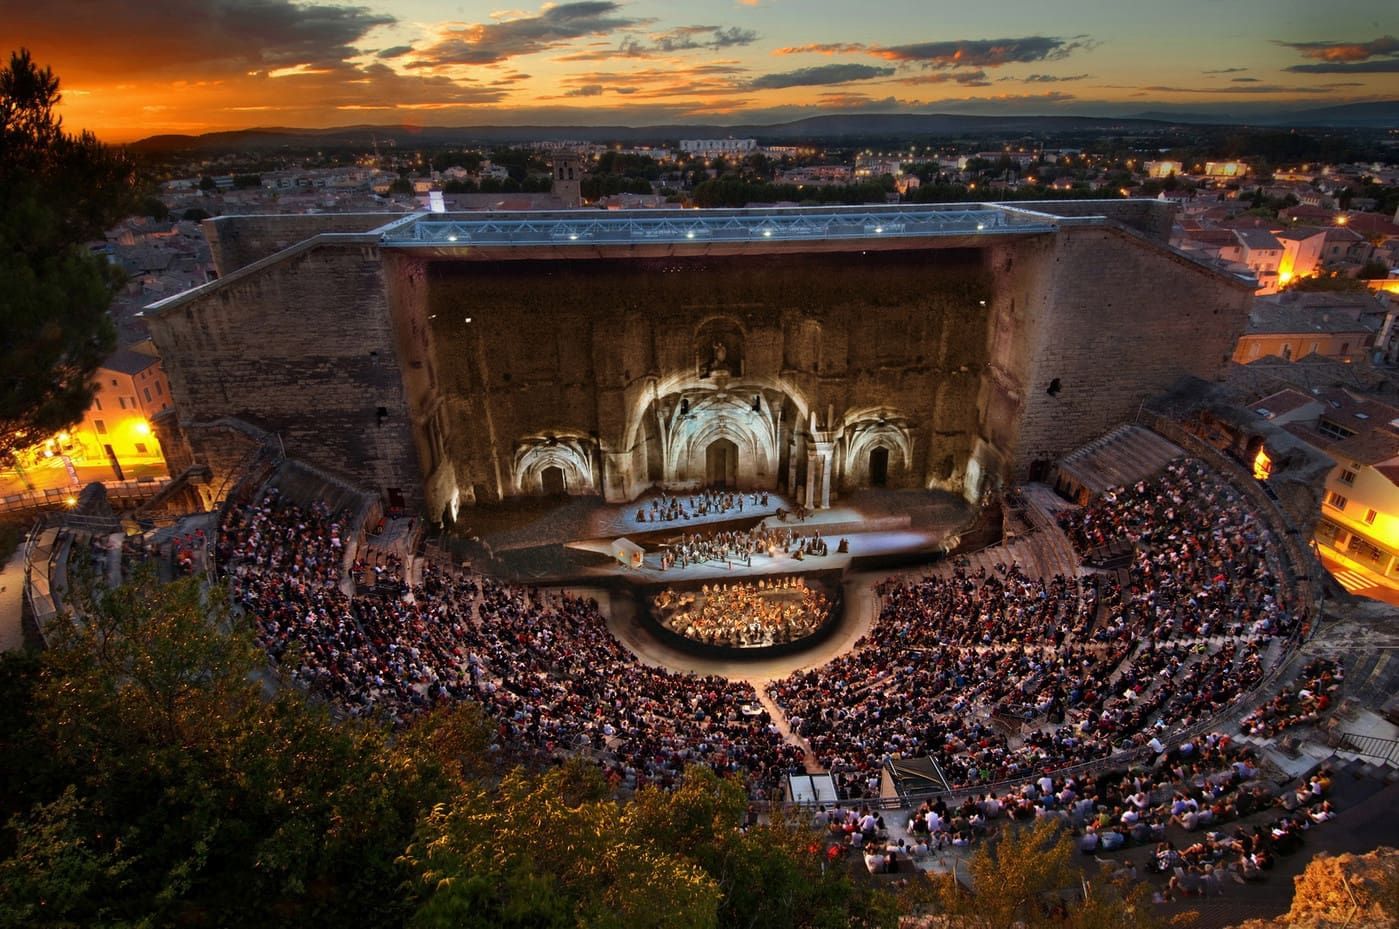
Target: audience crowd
[1303,702]
[1005,676]
[544,666]
[993,676]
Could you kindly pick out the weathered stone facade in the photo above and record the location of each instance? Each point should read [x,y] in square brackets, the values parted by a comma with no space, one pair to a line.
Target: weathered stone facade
[452,373]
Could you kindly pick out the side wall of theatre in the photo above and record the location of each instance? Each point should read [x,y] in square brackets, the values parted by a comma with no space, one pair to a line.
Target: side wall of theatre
[1113,319]
[238,241]
[304,350]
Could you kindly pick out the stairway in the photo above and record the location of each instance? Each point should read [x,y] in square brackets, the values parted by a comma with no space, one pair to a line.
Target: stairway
[1120,458]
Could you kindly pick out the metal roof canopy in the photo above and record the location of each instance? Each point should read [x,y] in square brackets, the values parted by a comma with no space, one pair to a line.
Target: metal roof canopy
[583,228]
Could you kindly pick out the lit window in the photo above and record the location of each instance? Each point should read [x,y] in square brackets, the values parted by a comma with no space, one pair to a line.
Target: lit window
[1335,500]
[1347,477]
[1370,517]
[1262,465]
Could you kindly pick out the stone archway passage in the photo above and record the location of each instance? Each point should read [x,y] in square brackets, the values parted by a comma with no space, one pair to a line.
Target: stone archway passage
[551,481]
[721,463]
[879,466]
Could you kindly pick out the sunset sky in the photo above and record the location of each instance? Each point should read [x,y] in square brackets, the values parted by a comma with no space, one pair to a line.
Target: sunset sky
[132,68]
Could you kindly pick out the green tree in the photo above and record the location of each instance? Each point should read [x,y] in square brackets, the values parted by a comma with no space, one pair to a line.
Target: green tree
[154,207]
[57,191]
[153,752]
[1026,879]
[1374,270]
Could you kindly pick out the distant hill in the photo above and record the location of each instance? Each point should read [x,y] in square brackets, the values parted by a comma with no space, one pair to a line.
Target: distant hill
[1379,114]
[815,127]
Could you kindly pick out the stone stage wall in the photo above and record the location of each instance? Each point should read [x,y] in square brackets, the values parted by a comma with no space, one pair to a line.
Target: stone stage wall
[589,366]
[807,367]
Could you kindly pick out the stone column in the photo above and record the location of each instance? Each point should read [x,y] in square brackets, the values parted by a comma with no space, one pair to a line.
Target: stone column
[820,456]
[616,480]
[826,459]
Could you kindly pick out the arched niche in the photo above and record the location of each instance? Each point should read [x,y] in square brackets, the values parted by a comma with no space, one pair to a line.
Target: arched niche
[719,344]
[552,464]
[865,431]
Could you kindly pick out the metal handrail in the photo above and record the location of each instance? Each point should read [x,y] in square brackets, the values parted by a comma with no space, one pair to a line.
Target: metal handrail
[1386,751]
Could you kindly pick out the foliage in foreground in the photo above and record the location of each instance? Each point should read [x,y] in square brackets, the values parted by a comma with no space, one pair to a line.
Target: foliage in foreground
[57,192]
[1343,890]
[153,776]
[1026,879]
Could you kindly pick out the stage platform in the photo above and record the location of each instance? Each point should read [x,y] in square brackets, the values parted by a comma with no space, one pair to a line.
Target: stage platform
[572,539]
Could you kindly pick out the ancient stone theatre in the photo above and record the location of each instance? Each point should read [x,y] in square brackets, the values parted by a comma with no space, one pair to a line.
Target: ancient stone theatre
[445,360]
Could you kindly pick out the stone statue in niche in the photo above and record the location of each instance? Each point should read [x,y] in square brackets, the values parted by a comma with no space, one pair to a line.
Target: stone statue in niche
[719,359]
[718,348]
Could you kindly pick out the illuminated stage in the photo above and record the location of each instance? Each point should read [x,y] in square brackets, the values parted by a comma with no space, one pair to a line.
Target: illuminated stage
[569,543]
[571,540]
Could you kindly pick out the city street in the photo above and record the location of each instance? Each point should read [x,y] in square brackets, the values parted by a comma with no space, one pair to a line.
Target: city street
[50,474]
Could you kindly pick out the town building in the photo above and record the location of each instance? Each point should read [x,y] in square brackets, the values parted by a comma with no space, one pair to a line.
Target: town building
[1297,327]
[131,389]
[1359,524]
[711,147]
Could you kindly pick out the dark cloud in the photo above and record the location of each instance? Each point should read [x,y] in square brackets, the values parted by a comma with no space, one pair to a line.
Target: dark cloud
[1019,103]
[704,80]
[818,76]
[204,37]
[966,78]
[1381,66]
[1050,78]
[1386,45]
[823,48]
[711,37]
[1244,80]
[1224,71]
[395,52]
[679,39]
[983,53]
[489,43]
[587,90]
[1250,89]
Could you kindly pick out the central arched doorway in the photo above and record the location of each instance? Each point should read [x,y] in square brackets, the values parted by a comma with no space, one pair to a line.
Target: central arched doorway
[879,466]
[721,463]
[551,481]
